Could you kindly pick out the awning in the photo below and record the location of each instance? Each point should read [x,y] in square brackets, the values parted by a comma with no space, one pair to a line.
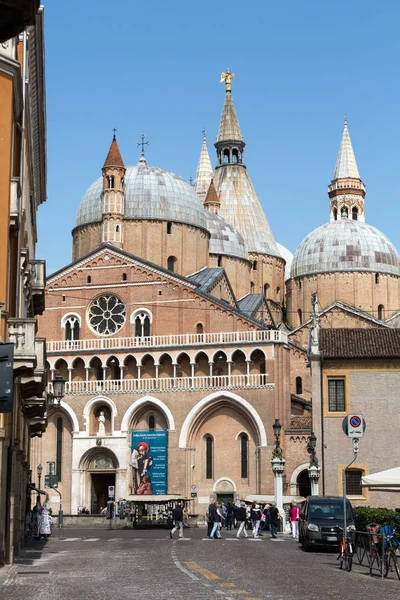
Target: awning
[384,481]
[157,498]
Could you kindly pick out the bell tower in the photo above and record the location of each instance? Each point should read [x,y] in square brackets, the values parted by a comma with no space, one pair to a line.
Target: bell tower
[113,196]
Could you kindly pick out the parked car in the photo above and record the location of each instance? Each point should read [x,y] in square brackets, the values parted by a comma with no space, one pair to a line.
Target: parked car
[320,520]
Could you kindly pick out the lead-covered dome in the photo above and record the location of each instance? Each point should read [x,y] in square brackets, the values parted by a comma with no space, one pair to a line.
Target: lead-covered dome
[150,193]
[225,239]
[345,245]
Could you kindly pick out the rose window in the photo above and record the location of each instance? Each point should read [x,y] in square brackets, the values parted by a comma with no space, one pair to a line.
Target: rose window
[107,315]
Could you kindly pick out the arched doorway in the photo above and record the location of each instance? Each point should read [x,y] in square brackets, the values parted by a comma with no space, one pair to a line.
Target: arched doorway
[304,484]
[99,466]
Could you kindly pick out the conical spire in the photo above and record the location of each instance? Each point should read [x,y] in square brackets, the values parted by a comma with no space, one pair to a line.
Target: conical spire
[346,165]
[229,128]
[212,202]
[204,171]
[114,158]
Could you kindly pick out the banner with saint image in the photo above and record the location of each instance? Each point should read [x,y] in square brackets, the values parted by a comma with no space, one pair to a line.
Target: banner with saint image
[149,462]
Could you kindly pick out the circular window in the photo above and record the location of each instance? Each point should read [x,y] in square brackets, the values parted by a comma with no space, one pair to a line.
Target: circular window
[107,315]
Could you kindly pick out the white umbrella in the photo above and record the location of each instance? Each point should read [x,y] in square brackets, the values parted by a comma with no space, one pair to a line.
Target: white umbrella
[385,481]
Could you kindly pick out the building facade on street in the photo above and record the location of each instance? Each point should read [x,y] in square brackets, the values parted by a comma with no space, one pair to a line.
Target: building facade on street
[182,328]
[22,276]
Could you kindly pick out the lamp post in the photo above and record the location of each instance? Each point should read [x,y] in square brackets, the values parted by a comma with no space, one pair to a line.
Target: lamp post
[314,470]
[278,467]
[58,391]
[39,471]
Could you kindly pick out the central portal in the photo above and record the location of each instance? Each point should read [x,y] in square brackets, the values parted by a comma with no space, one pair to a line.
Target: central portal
[99,495]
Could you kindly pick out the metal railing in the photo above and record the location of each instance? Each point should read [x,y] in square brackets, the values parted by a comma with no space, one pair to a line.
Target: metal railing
[172,340]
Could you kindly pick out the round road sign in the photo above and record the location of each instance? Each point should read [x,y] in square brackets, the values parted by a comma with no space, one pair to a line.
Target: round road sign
[355,421]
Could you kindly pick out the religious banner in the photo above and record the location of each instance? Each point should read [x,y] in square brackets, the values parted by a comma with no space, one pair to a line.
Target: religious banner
[149,462]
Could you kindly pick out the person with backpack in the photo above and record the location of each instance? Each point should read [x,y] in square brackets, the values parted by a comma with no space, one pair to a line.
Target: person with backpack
[230,516]
[177,515]
[256,518]
[241,518]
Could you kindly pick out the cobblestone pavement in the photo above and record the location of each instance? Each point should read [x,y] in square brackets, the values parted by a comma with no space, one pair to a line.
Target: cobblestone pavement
[124,564]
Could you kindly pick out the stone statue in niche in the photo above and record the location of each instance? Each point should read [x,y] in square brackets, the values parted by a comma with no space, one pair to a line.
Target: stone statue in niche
[102,424]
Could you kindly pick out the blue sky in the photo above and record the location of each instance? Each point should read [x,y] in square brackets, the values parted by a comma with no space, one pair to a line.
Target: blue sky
[155,66]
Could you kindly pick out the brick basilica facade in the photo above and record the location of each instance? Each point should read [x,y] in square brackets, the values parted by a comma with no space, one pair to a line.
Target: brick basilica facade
[180,313]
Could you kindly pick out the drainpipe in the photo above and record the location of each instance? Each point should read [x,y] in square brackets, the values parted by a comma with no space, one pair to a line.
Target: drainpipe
[322,426]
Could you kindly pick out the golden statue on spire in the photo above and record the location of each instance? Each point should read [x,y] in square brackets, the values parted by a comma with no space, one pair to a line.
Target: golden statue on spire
[227,77]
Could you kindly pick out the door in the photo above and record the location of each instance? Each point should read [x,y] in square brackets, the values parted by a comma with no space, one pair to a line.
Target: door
[99,496]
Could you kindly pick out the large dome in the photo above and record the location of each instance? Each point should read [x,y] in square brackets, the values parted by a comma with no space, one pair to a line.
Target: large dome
[225,239]
[150,193]
[345,245]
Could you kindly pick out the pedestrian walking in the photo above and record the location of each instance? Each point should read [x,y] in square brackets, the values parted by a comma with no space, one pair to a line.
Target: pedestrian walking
[177,515]
[264,519]
[230,516]
[274,520]
[294,520]
[241,518]
[216,518]
[256,518]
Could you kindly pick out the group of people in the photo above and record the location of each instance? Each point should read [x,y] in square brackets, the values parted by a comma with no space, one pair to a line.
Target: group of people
[240,515]
[39,520]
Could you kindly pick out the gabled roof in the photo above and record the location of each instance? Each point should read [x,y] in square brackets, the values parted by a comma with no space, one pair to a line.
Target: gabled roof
[114,158]
[206,278]
[251,304]
[359,343]
[104,248]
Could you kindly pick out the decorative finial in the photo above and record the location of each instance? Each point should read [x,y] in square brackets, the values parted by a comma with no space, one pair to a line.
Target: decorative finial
[204,134]
[114,130]
[191,180]
[143,144]
[345,120]
[227,77]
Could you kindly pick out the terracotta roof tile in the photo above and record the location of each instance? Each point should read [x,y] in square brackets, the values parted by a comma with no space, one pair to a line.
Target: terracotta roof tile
[114,158]
[360,343]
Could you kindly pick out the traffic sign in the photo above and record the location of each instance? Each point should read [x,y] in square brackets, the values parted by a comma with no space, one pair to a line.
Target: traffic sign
[193,494]
[111,491]
[193,487]
[354,425]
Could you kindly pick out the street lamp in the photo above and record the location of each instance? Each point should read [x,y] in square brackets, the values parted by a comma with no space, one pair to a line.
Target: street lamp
[278,468]
[314,469]
[58,391]
[39,471]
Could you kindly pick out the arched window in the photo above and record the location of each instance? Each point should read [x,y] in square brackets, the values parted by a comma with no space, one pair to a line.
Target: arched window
[334,213]
[209,457]
[117,229]
[376,277]
[152,422]
[244,456]
[251,287]
[344,211]
[299,386]
[278,291]
[99,373]
[123,276]
[254,265]
[89,279]
[299,284]
[300,314]
[235,155]
[142,325]
[380,311]
[266,288]
[219,261]
[171,263]
[199,328]
[226,156]
[72,329]
[354,213]
[169,228]
[59,441]
[111,182]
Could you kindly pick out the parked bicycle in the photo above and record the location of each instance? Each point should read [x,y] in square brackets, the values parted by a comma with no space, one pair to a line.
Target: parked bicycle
[384,549]
[346,550]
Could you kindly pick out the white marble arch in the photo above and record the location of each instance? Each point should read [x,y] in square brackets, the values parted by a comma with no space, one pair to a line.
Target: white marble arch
[72,415]
[88,408]
[147,400]
[220,480]
[235,400]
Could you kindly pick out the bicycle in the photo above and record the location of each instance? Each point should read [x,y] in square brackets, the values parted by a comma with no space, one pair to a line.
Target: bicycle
[391,544]
[346,551]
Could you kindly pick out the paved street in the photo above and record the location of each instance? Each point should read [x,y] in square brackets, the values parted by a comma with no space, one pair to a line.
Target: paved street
[99,564]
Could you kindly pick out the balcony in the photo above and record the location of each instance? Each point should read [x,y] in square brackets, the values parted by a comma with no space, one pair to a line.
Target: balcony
[168,341]
[38,284]
[166,384]
[21,333]
[15,192]
[34,385]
